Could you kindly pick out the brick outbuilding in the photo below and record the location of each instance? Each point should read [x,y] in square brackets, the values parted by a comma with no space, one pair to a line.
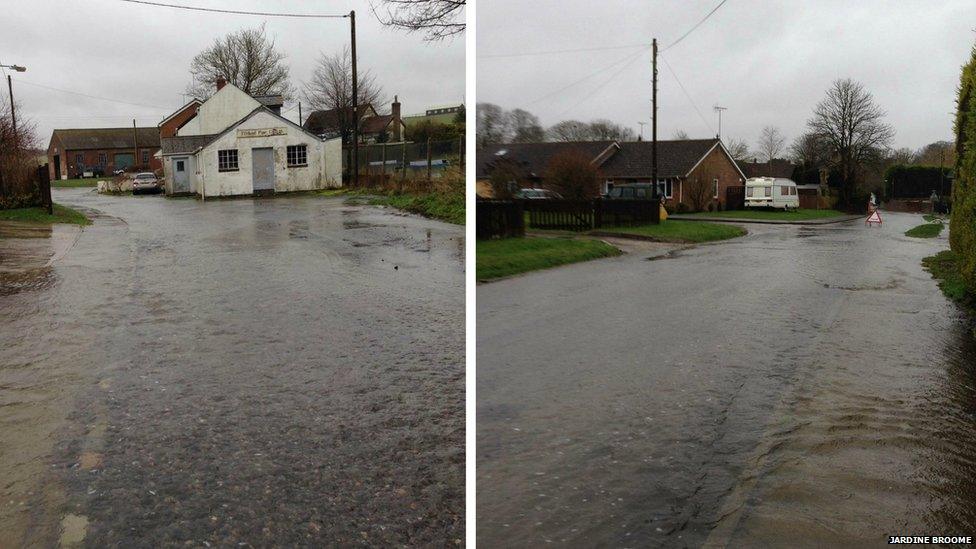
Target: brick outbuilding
[72,152]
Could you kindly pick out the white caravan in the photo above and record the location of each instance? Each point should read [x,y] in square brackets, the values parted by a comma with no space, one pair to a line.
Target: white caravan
[771,192]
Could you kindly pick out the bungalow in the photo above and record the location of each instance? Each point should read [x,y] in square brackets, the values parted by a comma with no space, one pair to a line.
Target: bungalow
[236,144]
[685,167]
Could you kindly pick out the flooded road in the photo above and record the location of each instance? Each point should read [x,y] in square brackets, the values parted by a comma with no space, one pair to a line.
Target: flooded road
[283,371]
[800,387]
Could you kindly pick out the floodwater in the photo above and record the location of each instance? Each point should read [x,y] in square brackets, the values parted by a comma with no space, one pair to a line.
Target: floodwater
[798,387]
[284,371]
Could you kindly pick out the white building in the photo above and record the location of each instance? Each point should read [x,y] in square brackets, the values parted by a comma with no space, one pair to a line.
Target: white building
[235,145]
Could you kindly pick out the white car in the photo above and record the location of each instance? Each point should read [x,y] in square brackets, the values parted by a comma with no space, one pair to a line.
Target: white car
[771,192]
[146,182]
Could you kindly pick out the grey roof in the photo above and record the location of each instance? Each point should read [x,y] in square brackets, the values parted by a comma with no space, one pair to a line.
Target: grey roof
[186,144]
[533,157]
[778,167]
[675,158]
[270,100]
[106,138]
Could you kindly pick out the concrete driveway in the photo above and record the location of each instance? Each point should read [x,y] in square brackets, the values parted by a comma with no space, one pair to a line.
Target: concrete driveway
[797,387]
[284,371]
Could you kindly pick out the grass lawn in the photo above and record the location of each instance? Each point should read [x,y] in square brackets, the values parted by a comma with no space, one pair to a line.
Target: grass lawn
[443,206]
[777,215]
[945,269]
[683,231]
[67,183]
[509,256]
[62,214]
[929,230]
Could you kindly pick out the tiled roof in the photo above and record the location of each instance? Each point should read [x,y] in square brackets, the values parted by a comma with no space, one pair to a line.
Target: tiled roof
[106,138]
[376,124]
[270,100]
[533,157]
[775,168]
[186,144]
[327,122]
[675,158]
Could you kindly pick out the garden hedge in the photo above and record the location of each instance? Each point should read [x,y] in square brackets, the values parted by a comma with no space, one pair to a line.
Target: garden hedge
[962,232]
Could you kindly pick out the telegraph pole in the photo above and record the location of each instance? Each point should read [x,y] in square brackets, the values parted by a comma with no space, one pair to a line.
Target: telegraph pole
[13,115]
[299,113]
[355,103]
[654,115]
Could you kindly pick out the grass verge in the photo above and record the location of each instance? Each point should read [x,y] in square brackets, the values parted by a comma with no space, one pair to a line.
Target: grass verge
[509,256]
[62,214]
[944,267]
[443,206]
[928,230]
[69,183]
[774,215]
[682,231]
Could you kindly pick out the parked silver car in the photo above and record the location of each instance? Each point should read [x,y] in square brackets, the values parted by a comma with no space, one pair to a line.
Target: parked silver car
[146,182]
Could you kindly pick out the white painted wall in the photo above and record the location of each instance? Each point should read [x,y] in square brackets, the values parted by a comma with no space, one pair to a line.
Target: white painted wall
[168,172]
[222,109]
[324,169]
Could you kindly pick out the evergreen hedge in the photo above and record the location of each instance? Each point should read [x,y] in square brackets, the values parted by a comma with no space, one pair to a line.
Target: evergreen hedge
[962,232]
[916,181]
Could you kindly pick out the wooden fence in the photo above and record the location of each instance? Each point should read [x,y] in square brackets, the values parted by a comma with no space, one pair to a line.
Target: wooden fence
[499,219]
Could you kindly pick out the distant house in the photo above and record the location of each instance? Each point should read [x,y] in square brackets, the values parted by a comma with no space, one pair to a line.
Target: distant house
[442,114]
[374,128]
[99,151]
[236,144]
[681,163]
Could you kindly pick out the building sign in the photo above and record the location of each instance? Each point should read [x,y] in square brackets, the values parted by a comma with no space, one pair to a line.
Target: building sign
[262,132]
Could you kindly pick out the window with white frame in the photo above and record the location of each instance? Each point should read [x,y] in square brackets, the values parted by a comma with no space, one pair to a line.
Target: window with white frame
[715,187]
[227,160]
[665,187]
[297,155]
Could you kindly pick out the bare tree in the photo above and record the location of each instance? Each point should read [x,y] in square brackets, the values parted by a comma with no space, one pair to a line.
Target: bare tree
[771,143]
[330,88]
[569,130]
[506,176]
[525,127]
[493,124]
[700,189]
[853,127]
[437,19]
[738,149]
[603,130]
[809,150]
[247,59]
[17,160]
[679,135]
[573,175]
[940,153]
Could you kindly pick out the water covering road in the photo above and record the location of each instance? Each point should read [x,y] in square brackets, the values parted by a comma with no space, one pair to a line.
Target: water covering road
[798,387]
[283,371]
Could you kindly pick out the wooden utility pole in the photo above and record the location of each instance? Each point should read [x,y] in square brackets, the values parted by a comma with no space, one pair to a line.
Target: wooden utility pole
[135,144]
[654,115]
[428,160]
[299,113]
[13,115]
[355,103]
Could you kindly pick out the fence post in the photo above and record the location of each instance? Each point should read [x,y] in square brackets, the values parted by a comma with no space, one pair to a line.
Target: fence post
[428,160]
[384,161]
[403,161]
[461,152]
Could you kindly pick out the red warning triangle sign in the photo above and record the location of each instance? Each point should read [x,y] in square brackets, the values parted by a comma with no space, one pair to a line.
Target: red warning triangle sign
[875,217]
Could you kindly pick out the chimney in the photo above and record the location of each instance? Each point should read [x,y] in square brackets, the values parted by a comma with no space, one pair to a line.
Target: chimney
[396,119]
[221,82]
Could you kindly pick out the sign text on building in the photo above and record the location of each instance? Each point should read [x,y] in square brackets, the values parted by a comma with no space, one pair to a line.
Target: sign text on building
[262,132]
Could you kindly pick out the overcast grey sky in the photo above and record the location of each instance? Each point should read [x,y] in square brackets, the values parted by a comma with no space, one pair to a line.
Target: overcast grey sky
[768,62]
[141,54]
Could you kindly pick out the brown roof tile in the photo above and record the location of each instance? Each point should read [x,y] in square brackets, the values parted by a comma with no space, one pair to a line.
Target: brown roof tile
[106,138]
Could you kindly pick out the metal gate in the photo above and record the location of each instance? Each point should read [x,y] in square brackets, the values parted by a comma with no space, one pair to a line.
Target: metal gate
[262,169]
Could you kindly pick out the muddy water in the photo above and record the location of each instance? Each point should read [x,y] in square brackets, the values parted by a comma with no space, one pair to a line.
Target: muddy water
[797,387]
[255,372]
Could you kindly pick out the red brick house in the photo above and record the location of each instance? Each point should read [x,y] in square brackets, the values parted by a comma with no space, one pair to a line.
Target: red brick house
[374,128]
[172,123]
[72,152]
[683,165]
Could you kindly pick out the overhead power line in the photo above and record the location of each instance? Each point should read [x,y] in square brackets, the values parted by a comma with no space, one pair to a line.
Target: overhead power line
[692,29]
[573,50]
[613,77]
[605,68]
[239,12]
[93,96]
[687,95]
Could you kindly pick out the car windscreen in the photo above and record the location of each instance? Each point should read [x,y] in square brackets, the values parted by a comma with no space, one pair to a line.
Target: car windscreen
[145,176]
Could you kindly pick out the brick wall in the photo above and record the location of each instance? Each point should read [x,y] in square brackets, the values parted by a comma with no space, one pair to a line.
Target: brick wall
[169,128]
[716,165]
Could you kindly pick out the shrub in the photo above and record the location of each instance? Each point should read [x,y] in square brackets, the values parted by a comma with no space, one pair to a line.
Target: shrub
[573,175]
[915,181]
